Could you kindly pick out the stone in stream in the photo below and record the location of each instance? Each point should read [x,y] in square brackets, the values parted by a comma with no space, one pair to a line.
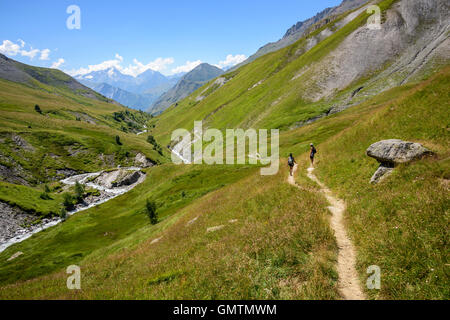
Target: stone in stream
[392,152]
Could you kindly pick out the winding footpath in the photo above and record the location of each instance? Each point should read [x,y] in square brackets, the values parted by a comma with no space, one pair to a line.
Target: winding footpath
[348,285]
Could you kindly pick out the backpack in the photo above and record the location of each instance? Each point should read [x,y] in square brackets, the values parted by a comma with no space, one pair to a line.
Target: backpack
[291,161]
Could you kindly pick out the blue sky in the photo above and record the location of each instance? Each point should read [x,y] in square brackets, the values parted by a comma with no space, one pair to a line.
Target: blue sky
[135,35]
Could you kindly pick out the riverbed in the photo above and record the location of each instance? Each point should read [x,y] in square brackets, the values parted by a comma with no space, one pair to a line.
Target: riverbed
[107,192]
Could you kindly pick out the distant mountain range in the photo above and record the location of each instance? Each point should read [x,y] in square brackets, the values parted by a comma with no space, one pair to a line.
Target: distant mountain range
[135,92]
[190,82]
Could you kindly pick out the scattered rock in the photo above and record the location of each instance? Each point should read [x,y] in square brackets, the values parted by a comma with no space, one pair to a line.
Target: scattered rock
[212,229]
[21,143]
[392,152]
[191,221]
[382,172]
[155,240]
[15,255]
[233,221]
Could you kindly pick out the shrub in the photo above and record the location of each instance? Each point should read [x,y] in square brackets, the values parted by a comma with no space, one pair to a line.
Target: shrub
[151,140]
[45,196]
[47,189]
[68,201]
[37,109]
[151,211]
[118,141]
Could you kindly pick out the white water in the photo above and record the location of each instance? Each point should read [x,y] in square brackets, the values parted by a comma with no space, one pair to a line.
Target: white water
[112,193]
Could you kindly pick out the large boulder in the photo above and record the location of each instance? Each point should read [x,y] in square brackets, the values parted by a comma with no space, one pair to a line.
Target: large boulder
[396,151]
[392,152]
[128,180]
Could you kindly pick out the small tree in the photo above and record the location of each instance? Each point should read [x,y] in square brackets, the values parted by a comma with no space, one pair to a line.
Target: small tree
[47,189]
[151,211]
[38,109]
[79,191]
[68,201]
[118,141]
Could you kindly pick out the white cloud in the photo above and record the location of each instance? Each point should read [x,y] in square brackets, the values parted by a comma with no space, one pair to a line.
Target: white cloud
[12,49]
[160,64]
[231,60]
[45,54]
[58,63]
[30,54]
[135,69]
[188,66]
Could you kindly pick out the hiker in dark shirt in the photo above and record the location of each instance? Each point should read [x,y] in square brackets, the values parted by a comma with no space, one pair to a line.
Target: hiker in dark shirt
[291,163]
[312,154]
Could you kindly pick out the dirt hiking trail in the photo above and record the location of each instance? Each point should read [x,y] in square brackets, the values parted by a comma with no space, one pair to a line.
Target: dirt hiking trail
[348,284]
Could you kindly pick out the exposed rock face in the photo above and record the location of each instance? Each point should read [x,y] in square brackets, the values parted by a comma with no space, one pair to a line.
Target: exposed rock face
[302,28]
[142,161]
[117,178]
[22,143]
[392,152]
[128,180]
[413,36]
[15,222]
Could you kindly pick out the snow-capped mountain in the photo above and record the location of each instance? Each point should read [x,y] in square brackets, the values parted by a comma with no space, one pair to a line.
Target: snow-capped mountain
[144,89]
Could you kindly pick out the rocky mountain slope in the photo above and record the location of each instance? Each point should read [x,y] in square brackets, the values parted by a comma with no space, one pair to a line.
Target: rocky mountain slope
[185,86]
[302,28]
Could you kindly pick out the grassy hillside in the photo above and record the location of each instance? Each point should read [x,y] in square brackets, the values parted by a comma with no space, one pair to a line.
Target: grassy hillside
[172,187]
[402,224]
[275,241]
